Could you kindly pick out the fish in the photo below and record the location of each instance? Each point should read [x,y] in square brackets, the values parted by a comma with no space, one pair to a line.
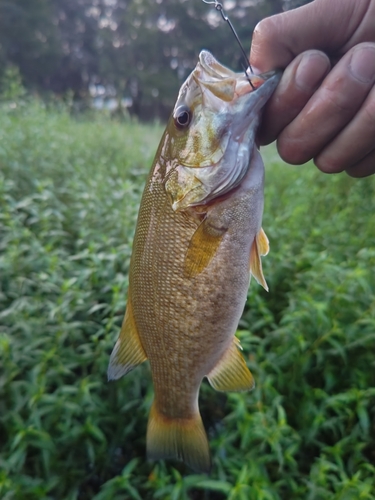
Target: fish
[197,242]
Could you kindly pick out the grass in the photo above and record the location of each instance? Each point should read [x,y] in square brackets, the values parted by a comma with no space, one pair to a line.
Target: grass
[69,194]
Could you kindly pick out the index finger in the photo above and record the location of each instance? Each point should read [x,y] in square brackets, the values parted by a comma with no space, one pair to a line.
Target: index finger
[321,24]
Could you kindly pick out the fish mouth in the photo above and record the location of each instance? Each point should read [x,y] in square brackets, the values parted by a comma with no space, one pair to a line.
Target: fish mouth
[218,152]
[228,85]
[250,101]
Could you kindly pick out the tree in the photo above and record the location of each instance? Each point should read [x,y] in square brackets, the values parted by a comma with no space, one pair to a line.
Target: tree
[141,50]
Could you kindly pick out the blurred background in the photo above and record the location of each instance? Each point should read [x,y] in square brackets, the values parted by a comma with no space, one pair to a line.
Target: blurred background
[120,54]
[85,87]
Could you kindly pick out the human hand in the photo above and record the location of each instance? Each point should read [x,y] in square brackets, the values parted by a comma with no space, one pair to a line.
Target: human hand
[324,106]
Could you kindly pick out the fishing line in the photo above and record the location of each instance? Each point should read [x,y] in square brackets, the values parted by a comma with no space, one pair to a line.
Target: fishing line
[219,7]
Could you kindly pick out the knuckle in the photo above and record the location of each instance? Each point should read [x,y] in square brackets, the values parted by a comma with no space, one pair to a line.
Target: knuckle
[338,101]
[264,30]
[369,110]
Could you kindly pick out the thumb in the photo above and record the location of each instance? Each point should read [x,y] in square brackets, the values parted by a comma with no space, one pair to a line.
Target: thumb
[326,25]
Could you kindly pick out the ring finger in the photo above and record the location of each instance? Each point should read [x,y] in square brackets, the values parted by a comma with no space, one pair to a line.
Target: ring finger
[354,143]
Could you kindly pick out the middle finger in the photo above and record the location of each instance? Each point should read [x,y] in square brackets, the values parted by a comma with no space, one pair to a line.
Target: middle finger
[331,107]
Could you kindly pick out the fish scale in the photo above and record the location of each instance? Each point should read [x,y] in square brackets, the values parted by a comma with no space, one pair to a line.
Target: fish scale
[193,254]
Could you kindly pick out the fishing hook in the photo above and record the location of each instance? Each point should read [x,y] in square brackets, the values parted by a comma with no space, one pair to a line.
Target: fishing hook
[219,7]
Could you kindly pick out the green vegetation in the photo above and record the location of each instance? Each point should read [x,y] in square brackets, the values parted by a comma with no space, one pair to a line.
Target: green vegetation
[141,50]
[69,193]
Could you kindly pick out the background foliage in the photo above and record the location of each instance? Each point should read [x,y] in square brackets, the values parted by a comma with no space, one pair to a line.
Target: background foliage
[69,193]
[140,50]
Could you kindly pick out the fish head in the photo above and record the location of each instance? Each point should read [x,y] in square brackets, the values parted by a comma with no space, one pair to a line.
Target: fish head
[211,133]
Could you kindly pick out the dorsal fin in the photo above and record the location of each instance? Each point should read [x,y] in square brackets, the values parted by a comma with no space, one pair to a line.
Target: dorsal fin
[128,351]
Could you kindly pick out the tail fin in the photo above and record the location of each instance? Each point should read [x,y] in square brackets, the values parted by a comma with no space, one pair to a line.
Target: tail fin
[182,438]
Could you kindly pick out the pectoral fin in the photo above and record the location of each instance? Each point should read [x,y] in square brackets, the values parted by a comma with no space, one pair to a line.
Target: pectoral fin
[128,351]
[259,247]
[231,372]
[202,248]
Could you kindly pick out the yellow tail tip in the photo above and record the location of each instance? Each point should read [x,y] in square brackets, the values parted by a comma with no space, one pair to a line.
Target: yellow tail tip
[181,438]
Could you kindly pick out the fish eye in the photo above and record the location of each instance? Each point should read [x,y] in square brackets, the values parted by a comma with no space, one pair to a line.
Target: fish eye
[182,117]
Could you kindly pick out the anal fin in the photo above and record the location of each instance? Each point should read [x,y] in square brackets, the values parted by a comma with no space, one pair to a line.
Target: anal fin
[259,247]
[128,351]
[231,372]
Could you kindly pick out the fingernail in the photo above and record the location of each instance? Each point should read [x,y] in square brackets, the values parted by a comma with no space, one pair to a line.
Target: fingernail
[312,68]
[362,64]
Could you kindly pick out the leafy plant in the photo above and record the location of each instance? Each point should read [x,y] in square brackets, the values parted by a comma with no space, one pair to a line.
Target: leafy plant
[69,195]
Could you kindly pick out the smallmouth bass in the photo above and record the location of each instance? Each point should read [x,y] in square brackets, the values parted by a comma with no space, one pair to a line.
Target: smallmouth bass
[197,242]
